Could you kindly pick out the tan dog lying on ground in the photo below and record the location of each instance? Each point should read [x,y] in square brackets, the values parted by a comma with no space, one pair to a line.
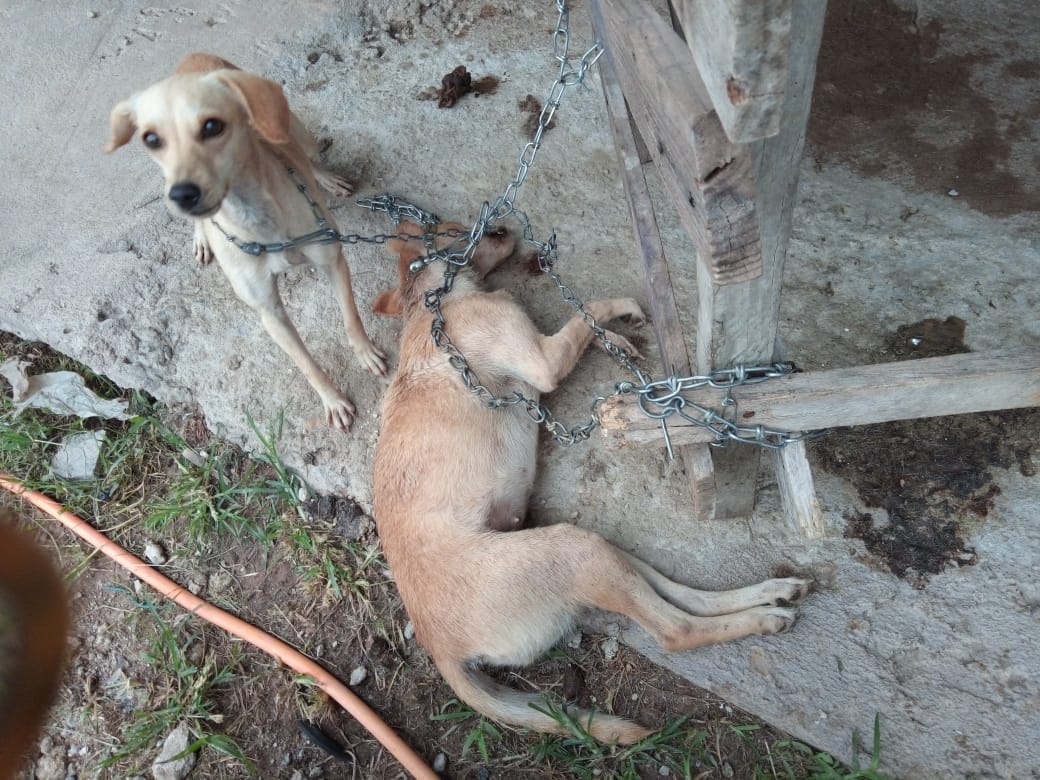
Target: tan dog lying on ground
[449,472]
[225,140]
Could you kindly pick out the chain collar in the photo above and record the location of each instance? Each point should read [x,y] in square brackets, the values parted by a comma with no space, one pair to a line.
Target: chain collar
[324,234]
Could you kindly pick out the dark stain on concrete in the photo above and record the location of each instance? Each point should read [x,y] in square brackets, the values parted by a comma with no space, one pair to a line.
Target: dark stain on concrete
[933,476]
[888,102]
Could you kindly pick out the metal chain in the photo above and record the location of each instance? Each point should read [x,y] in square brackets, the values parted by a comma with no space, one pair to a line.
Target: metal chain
[666,396]
[329,235]
[503,207]
[398,209]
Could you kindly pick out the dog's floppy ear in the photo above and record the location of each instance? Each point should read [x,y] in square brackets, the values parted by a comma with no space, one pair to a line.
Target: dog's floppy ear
[201,62]
[122,125]
[264,102]
[388,303]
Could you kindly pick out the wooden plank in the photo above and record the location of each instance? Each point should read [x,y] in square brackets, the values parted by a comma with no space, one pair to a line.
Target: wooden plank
[741,51]
[931,387]
[707,177]
[797,490]
[738,323]
[662,309]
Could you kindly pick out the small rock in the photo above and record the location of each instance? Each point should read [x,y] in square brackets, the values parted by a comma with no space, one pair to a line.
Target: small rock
[315,772]
[303,494]
[163,768]
[51,767]
[193,457]
[440,763]
[358,676]
[663,771]
[296,775]
[219,581]
[574,640]
[154,553]
[953,193]
[727,769]
[409,631]
[610,647]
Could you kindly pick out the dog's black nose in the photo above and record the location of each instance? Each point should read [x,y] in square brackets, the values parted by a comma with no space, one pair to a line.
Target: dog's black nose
[185,194]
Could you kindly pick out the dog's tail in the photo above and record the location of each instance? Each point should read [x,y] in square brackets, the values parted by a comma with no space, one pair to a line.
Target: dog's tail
[516,708]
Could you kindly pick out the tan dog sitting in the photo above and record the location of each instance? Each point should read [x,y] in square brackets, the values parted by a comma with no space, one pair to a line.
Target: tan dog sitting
[449,472]
[225,140]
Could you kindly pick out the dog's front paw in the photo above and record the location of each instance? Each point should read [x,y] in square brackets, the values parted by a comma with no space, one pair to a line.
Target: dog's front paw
[200,248]
[371,357]
[334,183]
[339,413]
[630,312]
[622,343]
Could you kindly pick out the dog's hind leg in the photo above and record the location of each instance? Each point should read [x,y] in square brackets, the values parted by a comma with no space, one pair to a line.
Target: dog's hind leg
[791,590]
[585,569]
[609,581]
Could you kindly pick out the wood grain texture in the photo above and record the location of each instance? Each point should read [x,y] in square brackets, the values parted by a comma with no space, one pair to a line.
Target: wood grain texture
[708,178]
[741,49]
[738,323]
[664,313]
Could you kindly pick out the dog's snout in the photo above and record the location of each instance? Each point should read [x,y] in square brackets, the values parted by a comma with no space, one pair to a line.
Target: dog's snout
[185,194]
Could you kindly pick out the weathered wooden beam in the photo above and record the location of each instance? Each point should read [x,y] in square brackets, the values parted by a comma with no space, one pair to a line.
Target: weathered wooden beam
[664,314]
[707,177]
[738,323]
[797,491]
[931,387]
[741,51]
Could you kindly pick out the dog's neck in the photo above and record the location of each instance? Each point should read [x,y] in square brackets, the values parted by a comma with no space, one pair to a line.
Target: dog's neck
[465,283]
[259,204]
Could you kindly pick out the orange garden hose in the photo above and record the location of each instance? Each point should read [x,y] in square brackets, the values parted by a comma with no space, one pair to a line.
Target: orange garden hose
[287,655]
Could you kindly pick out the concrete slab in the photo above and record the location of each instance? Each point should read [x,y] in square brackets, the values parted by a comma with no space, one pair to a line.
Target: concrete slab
[93,265]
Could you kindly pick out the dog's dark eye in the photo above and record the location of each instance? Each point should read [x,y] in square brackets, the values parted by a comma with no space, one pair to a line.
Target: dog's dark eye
[211,128]
[151,140]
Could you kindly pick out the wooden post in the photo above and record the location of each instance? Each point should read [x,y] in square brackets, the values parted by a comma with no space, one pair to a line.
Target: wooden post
[738,323]
[741,48]
[661,298]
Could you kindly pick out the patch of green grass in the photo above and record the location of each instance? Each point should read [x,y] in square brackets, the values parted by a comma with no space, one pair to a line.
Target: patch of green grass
[227,493]
[344,569]
[187,696]
[29,440]
[798,760]
[689,752]
[480,737]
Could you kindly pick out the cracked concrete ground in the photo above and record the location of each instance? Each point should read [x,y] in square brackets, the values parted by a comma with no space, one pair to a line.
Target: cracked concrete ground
[895,224]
